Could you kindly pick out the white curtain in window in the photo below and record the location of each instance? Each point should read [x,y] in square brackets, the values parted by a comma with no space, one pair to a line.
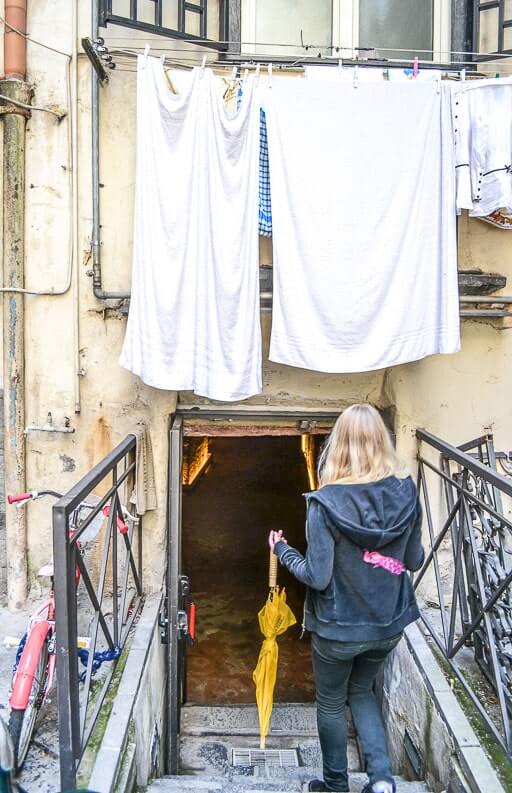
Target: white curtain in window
[364,224]
[194,321]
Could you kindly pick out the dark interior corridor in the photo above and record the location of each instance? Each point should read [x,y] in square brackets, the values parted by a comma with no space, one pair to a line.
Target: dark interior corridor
[252,484]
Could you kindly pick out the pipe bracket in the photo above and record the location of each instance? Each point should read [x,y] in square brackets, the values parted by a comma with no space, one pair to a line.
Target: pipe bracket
[6,108]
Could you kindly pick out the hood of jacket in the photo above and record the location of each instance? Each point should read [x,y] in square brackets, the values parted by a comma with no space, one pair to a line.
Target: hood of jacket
[372,514]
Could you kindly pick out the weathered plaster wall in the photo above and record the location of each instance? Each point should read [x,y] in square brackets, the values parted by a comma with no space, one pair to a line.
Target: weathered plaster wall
[455,396]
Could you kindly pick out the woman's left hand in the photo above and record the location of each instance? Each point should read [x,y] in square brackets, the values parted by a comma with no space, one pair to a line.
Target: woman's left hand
[276,536]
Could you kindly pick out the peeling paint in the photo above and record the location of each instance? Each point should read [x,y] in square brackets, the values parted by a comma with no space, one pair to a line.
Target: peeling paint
[68,464]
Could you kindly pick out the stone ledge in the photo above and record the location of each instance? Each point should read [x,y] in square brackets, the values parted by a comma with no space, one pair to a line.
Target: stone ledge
[109,759]
[473,759]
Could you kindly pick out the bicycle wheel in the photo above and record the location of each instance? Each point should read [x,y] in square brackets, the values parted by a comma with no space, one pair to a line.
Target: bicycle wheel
[22,722]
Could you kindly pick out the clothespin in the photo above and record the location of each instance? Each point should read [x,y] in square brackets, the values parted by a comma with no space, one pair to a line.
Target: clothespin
[203,65]
[257,73]
[270,75]
[385,74]
[462,75]
[146,51]
[340,65]
[415,67]
[233,73]
[356,76]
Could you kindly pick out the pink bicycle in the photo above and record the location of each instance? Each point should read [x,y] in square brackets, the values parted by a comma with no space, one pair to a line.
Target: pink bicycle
[34,669]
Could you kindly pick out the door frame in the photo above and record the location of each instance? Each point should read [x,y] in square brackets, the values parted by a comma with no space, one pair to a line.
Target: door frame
[176,642]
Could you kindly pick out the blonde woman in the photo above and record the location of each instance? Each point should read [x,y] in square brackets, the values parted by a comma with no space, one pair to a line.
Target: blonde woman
[364,532]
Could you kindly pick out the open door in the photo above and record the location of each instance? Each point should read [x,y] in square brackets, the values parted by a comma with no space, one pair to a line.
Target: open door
[179,629]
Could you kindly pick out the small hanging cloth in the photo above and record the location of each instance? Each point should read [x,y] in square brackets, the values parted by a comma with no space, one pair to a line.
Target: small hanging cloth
[194,321]
[482,113]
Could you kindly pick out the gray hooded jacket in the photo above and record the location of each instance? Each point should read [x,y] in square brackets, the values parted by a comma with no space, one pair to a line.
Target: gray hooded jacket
[348,598]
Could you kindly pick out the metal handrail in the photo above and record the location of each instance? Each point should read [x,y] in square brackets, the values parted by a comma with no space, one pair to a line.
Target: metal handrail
[476,602]
[77,714]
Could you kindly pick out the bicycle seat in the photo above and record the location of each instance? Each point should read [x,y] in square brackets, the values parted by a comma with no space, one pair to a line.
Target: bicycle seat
[46,571]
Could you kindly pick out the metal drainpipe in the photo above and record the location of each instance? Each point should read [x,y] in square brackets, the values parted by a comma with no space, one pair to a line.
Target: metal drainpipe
[14,120]
[98,290]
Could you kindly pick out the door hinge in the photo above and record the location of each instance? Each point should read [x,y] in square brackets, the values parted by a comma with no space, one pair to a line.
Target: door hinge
[163,623]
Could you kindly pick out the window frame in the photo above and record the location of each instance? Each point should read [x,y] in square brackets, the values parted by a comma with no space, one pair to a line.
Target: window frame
[345,29]
[200,7]
[479,7]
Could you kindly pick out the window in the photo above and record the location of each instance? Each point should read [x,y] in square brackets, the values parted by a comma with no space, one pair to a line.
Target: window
[286,27]
[182,19]
[492,32]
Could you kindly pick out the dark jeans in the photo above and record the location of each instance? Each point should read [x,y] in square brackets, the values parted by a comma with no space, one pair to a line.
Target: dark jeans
[346,671]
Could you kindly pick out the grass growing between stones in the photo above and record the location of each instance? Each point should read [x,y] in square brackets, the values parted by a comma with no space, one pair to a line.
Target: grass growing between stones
[94,744]
[497,756]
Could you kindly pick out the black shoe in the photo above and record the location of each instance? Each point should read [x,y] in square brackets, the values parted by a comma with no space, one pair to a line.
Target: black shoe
[318,785]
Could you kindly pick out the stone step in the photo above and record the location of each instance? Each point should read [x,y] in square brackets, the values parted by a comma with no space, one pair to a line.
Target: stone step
[238,784]
[288,719]
[212,755]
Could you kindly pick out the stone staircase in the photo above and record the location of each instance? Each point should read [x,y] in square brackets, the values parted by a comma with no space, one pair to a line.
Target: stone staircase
[209,735]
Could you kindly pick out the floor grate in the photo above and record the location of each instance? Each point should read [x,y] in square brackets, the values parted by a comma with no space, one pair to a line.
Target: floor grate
[284,758]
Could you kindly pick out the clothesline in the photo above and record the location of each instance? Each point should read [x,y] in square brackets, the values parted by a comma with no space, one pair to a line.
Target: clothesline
[337,49]
[191,59]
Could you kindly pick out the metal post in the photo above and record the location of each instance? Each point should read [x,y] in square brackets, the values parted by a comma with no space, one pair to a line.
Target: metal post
[173,572]
[66,639]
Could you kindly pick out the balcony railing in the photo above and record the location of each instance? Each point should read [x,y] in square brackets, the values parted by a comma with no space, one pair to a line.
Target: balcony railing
[110,593]
[469,563]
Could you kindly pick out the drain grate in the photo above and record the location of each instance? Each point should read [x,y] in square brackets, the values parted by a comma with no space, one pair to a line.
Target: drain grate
[284,758]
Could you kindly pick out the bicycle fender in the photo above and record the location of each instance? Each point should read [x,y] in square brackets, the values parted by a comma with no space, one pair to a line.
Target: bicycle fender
[25,673]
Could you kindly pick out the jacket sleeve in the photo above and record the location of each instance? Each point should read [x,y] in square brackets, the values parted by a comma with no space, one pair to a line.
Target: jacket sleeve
[414,552]
[315,570]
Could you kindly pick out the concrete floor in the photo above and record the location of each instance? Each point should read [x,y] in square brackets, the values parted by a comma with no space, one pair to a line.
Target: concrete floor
[254,484]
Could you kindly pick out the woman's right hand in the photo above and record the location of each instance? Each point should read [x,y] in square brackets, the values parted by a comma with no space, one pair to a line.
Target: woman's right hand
[275,536]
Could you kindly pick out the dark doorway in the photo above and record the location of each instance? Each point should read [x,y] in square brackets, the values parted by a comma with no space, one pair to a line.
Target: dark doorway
[250,485]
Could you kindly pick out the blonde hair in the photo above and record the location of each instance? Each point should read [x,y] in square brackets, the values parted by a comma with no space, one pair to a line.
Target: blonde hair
[359,449]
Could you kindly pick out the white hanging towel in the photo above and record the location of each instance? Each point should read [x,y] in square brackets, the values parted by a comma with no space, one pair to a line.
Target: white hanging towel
[194,321]
[482,113]
[363,196]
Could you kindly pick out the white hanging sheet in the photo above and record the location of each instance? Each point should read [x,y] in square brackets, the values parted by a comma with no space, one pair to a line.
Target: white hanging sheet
[194,321]
[482,113]
[364,233]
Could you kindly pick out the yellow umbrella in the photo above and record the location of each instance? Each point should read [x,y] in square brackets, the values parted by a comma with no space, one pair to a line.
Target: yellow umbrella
[275,618]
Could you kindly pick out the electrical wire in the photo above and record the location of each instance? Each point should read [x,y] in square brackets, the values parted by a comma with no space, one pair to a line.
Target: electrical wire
[15,102]
[32,41]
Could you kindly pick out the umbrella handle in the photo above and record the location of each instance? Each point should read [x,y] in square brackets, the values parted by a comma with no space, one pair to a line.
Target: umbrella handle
[272,571]
[262,742]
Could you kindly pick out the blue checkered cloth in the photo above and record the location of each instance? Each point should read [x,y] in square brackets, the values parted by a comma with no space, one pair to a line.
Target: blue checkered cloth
[264,202]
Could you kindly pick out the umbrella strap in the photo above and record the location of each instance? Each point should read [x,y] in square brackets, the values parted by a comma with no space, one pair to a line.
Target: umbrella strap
[272,571]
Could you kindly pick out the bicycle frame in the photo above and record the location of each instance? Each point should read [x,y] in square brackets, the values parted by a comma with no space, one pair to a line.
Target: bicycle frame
[41,626]
[39,630]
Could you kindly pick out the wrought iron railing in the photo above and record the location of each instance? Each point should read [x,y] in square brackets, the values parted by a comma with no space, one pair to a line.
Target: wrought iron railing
[470,562]
[110,592]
